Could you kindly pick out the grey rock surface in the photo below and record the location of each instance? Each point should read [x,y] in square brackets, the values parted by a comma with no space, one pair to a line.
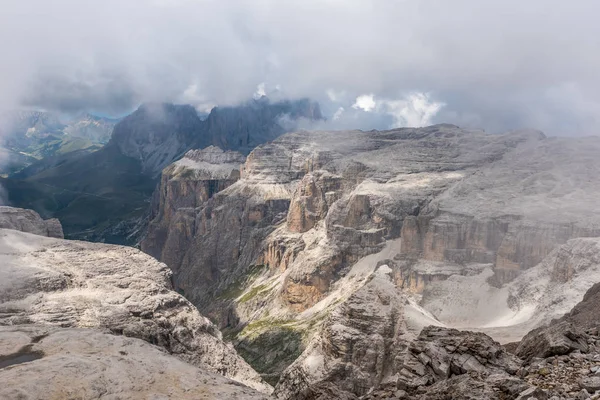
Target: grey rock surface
[555,339]
[58,283]
[29,221]
[42,362]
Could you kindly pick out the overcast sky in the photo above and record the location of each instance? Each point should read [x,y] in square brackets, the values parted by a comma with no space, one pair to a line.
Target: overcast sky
[493,64]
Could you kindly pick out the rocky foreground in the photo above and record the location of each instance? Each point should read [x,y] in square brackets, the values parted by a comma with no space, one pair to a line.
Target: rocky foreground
[324,254]
[41,362]
[101,321]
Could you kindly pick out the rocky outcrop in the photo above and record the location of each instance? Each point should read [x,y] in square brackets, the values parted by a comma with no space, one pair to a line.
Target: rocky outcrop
[55,283]
[586,314]
[445,363]
[29,221]
[357,345]
[42,362]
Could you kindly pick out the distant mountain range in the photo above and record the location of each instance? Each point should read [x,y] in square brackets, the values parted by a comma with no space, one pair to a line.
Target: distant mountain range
[103,195]
[28,136]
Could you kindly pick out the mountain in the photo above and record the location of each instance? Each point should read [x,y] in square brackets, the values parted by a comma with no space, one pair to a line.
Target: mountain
[158,134]
[95,129]
[339,265]
[103,320]
[104,195]
[34,135]
[325,254]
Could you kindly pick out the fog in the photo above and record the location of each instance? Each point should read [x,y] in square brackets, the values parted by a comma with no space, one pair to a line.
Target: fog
[492,64]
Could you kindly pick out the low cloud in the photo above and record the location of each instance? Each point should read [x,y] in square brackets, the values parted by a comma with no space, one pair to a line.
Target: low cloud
[365,102]
[414,110]
[497,64]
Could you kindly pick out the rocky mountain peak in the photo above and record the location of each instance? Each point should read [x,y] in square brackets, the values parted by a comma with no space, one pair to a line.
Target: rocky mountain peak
[96,129]
[158,134]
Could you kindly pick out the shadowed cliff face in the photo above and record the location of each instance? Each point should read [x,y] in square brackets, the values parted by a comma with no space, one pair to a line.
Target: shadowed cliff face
[158,134]
[457,216]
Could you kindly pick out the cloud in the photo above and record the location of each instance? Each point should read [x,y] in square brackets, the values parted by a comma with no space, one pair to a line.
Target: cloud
[338,113]
[365,102]
[414,110]
[496,64]
[260,91]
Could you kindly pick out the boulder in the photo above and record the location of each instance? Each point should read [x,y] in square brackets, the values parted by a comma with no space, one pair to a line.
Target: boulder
[553,340]
[29,221]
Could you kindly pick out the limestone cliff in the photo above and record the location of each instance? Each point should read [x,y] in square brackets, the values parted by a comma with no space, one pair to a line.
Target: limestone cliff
[514,211]
[185,185]
[291,244]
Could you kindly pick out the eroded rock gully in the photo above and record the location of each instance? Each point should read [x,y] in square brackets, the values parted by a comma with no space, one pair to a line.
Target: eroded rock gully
[285,239]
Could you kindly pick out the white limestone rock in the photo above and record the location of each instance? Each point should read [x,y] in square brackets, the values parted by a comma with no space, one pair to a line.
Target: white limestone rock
[60,283]
[42,362]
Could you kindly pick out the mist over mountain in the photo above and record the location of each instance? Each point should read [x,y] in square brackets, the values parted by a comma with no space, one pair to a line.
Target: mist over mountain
[102,195]
[157,134]
[457,62]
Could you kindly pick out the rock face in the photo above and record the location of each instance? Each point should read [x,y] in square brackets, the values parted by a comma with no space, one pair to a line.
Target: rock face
[585,315]
[29,221]
[359,343]
[185,185]
[157,134]
[468,223]
[525,205]
[64,363]
[55,283]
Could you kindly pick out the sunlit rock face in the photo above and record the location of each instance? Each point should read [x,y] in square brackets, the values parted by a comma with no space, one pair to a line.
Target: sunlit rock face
[41,362]
[458,216]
